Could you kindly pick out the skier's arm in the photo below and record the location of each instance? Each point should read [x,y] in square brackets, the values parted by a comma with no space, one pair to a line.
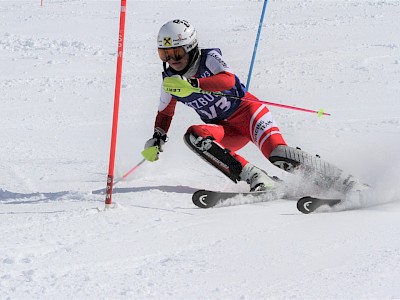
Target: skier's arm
[162,123]
[218,82]
[164,116]
[223,77]
[166,110]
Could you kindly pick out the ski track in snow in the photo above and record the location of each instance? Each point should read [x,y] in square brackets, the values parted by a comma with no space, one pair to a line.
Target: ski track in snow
[57,82]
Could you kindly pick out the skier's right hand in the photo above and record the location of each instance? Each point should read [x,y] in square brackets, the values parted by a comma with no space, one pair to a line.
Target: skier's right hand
[180,86]
[159,138]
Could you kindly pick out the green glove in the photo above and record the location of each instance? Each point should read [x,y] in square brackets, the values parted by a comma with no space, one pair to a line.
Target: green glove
[151,153]
[180,87]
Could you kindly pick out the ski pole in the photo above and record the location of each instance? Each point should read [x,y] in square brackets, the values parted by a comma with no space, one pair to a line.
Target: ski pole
[182,88]
[149,154]
[256,44]
[129,172]
[102,191]
[320,112]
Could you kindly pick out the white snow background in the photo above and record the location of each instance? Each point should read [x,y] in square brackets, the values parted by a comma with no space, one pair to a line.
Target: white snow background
[57,81]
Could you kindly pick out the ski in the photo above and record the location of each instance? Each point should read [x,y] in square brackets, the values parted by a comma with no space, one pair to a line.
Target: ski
[207,198]
[309,204]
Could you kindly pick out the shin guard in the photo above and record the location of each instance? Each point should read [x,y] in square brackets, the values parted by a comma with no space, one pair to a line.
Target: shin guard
[214,154]
[291,159]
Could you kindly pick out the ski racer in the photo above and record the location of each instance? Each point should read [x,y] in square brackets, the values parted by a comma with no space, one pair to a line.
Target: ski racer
[215,94]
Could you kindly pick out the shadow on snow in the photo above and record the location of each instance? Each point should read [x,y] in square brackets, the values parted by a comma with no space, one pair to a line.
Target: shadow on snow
[163,188]
[18,198]
[8,197]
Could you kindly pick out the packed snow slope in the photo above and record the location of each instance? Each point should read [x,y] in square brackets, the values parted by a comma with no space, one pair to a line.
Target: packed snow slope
[57,80]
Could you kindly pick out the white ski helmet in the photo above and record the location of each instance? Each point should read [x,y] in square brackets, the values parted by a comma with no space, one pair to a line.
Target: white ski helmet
[177,33]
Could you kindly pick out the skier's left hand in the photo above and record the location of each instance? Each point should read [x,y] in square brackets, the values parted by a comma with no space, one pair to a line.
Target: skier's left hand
[155,145]
[159,138]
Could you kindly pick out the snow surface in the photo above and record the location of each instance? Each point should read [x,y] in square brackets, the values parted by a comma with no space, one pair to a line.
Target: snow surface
[57,82]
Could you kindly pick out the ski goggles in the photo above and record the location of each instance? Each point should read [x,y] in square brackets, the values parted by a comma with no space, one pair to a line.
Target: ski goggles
[176,53]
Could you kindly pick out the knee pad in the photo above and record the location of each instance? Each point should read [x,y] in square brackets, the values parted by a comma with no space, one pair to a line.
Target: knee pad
[214,154]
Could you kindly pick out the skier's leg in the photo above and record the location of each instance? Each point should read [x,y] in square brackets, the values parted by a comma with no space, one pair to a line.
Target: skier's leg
[214,144]
[254,122]
[257,179]
[266,136]
[201,139]
[226,137]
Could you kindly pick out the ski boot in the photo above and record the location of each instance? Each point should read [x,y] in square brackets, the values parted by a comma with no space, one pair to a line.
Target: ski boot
[258,179]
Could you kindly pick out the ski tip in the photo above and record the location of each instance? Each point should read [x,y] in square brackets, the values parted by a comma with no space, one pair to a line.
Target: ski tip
[309,204]
[200,199]
[304,204]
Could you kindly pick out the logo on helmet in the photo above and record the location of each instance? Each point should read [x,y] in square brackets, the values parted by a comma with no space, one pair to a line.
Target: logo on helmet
[167,41]
[184,22]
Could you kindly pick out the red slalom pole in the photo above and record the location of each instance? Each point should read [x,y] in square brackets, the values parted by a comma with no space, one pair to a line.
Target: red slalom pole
[110,177]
